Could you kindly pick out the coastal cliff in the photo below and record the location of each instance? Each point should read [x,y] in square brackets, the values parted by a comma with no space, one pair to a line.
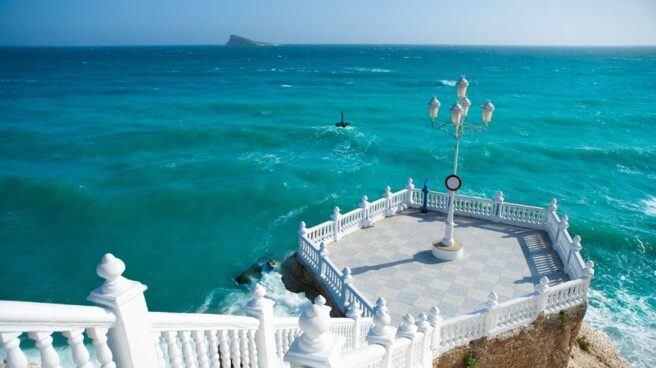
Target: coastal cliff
[559,340]
[243,41]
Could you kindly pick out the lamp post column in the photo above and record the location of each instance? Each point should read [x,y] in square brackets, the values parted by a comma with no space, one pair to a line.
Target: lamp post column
[450,223]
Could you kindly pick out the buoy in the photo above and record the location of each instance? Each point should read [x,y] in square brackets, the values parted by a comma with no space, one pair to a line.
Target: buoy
[342,123]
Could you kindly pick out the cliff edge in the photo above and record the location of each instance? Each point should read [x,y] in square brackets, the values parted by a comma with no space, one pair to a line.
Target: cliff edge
[243,41]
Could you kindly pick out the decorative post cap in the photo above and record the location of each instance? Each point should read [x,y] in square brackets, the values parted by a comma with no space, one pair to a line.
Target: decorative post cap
[354,311]
[576,243]
[336,214]
[388,191]
[364,201]
[492,301]
[381,303]
[257,292]
[382,320]
[588,271]
[111,269]
[302,229]
[564,222]
[323,251]
[315,323]
[346,272]
[410,185]
[543,286]
[434,316]
[408,328]
[422,322]
[553,205]
[499,197]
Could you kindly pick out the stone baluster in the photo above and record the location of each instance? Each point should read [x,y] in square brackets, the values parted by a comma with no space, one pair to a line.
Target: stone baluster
[10,343]
[541,292]
[187,351]
[364,204]
[588,274]
[158,348]
[408,329]
[425,328]
[389,211]
[262,308]
[224,346]
[337,228]
[410,186]
[201,350]
[103,353]
[243,347]
[76,342]
[382,333]
[235,351]
[213,342]
[355,313]
[435,321]
[315,347]
[43,341]
[499,198]
[175,357]
[131,337]
[491,316]
[252,349]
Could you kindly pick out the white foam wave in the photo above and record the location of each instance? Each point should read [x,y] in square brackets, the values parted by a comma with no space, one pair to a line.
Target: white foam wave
[285,85]
[449,83]
[287,303]
[370,70]
[267,161]
[649,206]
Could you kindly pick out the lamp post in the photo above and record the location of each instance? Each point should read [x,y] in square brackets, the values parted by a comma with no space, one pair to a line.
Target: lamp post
[457,127]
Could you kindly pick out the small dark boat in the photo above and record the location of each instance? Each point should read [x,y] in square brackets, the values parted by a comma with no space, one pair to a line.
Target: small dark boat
[342,123]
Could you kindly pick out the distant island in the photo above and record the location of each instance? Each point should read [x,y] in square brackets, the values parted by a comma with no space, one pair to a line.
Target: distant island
[243,41]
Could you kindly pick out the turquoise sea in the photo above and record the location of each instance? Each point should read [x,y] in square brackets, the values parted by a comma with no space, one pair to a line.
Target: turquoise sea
[191,163]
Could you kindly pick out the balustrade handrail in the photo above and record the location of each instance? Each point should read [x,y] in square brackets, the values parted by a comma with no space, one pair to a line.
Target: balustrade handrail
[30,316]
[162,321]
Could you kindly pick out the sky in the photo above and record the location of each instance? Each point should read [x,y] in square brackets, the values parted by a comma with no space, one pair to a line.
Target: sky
[202,22]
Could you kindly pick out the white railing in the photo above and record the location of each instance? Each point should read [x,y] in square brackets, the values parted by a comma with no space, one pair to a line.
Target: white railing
[39,321]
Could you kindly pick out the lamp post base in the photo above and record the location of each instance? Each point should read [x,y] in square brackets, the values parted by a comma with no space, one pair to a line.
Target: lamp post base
[447,252]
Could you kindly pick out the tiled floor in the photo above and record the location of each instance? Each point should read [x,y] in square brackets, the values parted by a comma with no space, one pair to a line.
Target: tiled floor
[393,259]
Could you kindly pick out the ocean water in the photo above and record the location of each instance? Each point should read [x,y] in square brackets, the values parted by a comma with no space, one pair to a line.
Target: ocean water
[192,163]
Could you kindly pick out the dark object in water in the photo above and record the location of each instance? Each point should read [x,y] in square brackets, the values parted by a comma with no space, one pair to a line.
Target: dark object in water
[342,123]
[254,272]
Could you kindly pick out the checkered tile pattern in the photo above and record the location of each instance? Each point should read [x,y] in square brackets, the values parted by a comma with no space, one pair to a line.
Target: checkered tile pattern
[393,259]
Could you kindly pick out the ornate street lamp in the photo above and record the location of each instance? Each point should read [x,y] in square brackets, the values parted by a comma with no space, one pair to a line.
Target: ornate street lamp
[457,127]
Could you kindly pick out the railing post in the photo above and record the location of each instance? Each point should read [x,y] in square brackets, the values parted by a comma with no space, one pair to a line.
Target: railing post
[347,280]
[262,308]
[382,333]
[302,230]
[315,347]
[410,186]
[435,321]
[408,329]
[564,225]
[588,274]
[541,292]
[10,342]
[553,205]
[425,328]
[491,317]
[337,228]
[131,338]
[573,248]
[355,313]
[364,204]
[498,203]
[388,202]
[323,255]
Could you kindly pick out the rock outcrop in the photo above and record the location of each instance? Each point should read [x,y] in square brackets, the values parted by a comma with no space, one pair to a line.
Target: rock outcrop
[243,41]
[594,349]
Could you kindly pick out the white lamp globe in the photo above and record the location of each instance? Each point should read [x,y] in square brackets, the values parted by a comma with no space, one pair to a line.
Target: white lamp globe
[433,107]
[461,86]
[488,109]
[456,113]
[466,104]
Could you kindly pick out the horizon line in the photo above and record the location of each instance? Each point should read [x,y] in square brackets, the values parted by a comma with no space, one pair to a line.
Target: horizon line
[337,44]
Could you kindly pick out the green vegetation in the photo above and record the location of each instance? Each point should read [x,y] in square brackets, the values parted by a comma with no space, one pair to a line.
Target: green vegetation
[470,360]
